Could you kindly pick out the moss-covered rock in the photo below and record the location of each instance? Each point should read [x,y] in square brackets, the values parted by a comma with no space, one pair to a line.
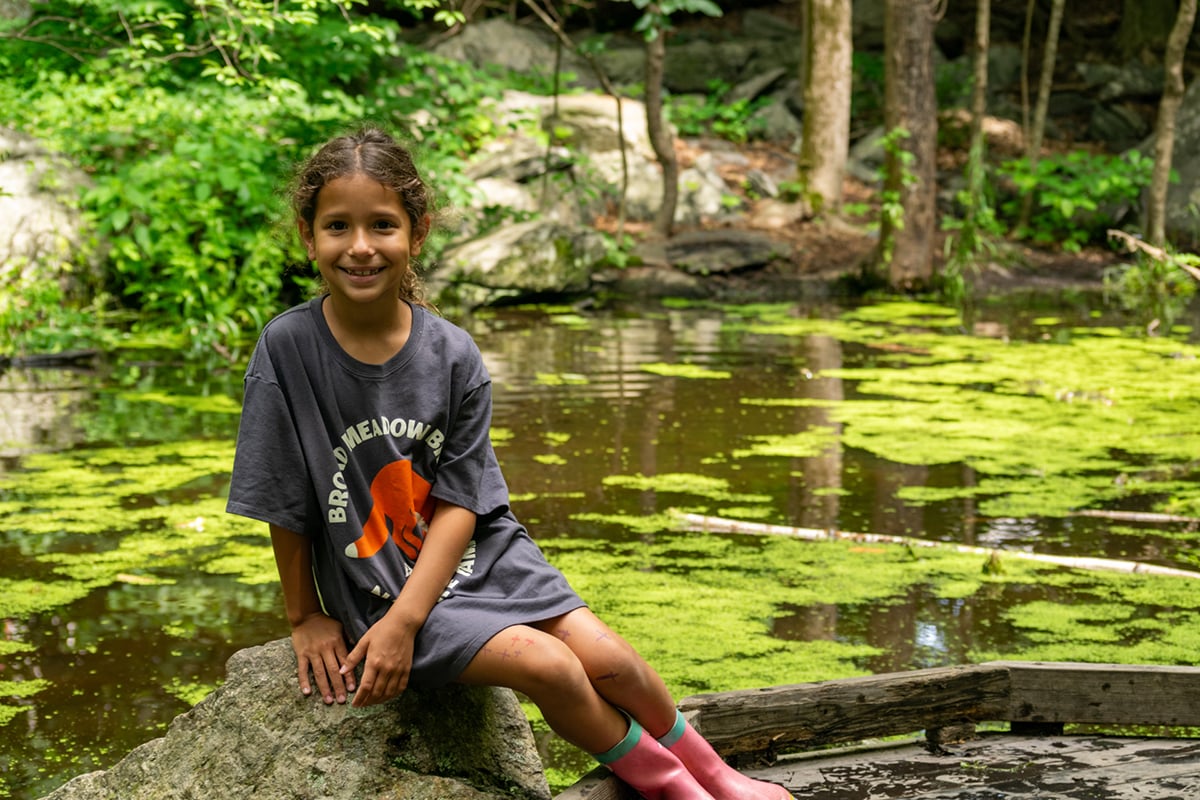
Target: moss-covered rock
[257,736]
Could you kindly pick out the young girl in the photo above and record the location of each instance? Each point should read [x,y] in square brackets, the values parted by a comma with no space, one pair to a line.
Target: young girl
[364,446]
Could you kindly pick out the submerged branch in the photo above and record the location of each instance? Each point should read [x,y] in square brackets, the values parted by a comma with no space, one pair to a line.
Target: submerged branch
[1133,244]
[707,524]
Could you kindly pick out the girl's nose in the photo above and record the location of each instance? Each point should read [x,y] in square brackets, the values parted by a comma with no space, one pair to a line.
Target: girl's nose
[361,242]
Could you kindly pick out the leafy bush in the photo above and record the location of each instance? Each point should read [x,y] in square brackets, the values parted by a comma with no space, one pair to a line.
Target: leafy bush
[1076,197]
[187,170]
[184,190]
[1157,286]
[35,317]
[697,115]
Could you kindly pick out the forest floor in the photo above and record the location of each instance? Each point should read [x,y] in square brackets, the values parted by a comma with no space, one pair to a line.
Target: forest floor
[838,247]
[832,248]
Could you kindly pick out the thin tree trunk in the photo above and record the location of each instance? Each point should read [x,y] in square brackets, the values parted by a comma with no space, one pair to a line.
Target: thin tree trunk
[550,140]
[660,135]
[1049,57]
[1164,126]
[978,146]
[1026,44]
[907,239]
[827,70]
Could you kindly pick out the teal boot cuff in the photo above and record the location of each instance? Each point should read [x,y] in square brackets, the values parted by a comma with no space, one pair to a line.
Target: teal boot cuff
[622,747]
[676,733]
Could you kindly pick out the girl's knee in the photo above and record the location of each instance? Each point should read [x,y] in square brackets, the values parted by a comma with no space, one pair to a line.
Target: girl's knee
[532,663]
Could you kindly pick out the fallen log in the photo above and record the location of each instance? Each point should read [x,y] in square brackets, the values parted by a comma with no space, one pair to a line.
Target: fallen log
[706,524]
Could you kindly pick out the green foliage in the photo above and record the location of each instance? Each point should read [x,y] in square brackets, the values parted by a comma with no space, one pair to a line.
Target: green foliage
[974,235]
[184,190]
[35,318]
[230,41]
[187,162]
[866,95]
[891,204]
[658,13]
[1155,287]
[696,115]
[1075,196]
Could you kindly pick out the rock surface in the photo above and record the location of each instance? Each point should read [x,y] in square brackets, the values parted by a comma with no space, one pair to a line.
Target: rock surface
[257,736]
[40,227]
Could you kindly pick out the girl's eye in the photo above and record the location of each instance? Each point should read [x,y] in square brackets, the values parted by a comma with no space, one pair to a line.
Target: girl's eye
[336,225]
[385,224]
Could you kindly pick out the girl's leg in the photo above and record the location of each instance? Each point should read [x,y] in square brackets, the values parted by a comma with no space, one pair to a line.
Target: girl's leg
[549,673]
[625,679]
[542,668]
[615,669]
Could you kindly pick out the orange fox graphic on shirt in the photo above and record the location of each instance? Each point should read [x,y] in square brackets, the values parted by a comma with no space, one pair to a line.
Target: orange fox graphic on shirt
[401,505]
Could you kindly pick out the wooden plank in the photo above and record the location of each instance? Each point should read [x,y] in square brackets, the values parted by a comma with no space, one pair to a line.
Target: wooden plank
[1102,694]
[1038,696]
[831,712]
[599,784]
[998,765]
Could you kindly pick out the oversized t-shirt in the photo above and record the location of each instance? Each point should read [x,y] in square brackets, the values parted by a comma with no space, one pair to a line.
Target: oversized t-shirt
[356,456]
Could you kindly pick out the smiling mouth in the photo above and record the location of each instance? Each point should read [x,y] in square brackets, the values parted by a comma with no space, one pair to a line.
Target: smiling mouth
[362,273]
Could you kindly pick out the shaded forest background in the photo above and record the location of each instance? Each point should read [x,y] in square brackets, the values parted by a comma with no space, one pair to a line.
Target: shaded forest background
[185,118]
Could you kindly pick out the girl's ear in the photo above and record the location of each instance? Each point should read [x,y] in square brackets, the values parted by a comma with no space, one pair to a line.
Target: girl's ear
[306,236]
[420,231]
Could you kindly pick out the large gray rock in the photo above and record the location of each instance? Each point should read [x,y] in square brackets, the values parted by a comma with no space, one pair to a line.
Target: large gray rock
[529,50]
[258,737]
[721,251]
[518,261]
[41,229]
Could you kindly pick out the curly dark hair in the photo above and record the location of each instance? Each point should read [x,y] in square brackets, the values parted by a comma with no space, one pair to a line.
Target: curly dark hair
[373,152]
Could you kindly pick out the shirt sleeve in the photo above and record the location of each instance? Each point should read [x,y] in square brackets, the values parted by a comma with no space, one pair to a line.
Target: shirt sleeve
[270,480]
[468,473]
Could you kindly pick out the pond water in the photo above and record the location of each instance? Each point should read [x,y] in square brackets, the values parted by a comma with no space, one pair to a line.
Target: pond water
[124,587]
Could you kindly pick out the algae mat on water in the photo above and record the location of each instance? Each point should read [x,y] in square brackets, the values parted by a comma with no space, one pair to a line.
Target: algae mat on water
[1081,418]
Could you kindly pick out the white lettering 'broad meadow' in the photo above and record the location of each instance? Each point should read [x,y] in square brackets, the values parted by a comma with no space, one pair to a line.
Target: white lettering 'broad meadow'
[360,432]
[400,428]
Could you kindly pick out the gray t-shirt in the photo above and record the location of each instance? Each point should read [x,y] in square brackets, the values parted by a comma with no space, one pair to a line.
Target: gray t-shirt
[356,456]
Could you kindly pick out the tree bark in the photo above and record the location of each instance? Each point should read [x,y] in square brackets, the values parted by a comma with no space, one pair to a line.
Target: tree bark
[660,135]
[827,77]
[1164,126]
[978,147]
[910,103]
[1144,27]
[976,211]
[1033,150]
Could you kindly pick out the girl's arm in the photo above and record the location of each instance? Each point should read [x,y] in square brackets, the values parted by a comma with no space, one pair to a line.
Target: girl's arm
[386,650]
[317,639]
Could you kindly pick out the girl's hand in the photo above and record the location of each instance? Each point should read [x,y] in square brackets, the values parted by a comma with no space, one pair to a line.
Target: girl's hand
[386,652]
[321,649]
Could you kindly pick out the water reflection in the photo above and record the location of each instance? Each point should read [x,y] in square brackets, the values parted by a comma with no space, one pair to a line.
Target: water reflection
[919,629]
[578,399]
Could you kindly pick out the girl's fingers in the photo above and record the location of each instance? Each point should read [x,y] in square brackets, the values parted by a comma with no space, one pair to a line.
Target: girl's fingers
[305,686]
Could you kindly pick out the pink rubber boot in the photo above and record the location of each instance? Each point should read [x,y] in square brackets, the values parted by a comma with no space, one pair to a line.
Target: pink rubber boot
[650,768]
[722,781]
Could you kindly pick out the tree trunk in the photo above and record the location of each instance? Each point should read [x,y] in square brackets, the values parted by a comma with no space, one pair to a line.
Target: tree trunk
[660,136]
[1034,144]
[827,76]
[978,147]
[910,104]
[977,214]
[1164,126]
[1145,26]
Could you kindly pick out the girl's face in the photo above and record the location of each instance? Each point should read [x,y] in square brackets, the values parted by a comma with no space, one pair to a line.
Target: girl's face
[362,239]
